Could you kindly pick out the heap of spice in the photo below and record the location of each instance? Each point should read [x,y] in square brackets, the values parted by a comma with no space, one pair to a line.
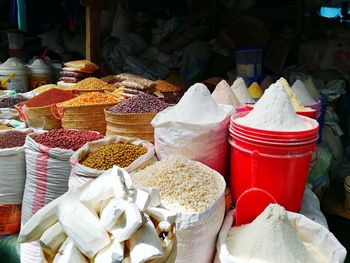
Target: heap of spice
[142,103]
[5,127]
[10,102]
[44,88]
[119,154]
[66,139]
[93,84]
[11,139]
[90,98]
[163,86]
[49,97]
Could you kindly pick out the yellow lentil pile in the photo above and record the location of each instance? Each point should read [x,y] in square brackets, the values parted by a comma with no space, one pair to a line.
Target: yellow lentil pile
[93,84]
[119,154]
[184,185]
[5,127]
[44,88]
[90,98]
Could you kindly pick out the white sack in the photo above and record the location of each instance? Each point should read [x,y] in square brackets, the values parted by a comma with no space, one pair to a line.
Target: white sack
[206,142]
[196,233]
[82,174]
[306,229]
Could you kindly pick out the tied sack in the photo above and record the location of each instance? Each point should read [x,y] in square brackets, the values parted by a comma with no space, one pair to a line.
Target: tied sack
[203,142]
[82,174]
[12,180]
[48,171]
[306,229]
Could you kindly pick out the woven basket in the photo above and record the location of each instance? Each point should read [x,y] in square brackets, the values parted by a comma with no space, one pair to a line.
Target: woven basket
[84,117]
[39,117]
[134,125]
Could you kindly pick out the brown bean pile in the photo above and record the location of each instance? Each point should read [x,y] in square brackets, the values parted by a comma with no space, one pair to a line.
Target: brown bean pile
[119,154]
[11,139]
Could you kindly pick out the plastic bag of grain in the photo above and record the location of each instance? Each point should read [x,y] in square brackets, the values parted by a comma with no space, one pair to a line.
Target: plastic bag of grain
[82,174]
[196,193]
[195,128]
[12,179]
[48,170]
[307,231]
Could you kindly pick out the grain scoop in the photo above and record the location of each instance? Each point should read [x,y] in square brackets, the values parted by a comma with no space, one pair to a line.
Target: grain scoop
[253,201]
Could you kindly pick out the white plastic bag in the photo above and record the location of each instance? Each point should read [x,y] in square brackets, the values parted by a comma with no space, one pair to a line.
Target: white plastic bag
[82,174]
[196,233]
[48,172]
[12,181]
[206,143]
[306,229]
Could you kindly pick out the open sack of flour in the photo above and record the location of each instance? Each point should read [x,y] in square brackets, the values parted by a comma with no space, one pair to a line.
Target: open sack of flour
[277,236]
[106,220]
[195,128]
[94,158]
[196,194]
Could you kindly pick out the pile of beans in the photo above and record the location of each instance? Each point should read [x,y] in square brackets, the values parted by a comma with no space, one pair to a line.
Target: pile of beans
[90,98]
[11,139]
[10,102]
[119,154]
[184,185]
[92,84]
[66,139]
[49,97]
[5,127]
[142,103]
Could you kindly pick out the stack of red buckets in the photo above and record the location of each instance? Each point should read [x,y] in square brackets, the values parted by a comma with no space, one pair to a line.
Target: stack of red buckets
[274,161]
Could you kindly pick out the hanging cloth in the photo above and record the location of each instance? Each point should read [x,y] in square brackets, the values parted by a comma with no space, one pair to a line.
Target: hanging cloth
[22,15]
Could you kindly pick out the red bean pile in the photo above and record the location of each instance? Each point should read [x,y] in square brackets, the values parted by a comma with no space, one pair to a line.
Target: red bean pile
[142,103]
[10,102]
[49,97]
[66,139]
[11,139]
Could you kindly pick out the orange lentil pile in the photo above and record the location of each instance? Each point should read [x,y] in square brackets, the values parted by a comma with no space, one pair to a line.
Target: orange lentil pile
[90,98]
[93,84]
[164,86]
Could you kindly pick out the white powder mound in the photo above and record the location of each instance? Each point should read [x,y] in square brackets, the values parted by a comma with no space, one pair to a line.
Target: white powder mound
[223,94]
[196,106]
[271,238]
[240,89]
[274,112]
[303,95]
[311,87]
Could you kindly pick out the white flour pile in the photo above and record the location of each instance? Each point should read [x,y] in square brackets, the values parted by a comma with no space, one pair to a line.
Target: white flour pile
[223,94]
[274,112]
[311,87]
[303,95]
[241,91]
[298,106]
[270,238]
[196,106]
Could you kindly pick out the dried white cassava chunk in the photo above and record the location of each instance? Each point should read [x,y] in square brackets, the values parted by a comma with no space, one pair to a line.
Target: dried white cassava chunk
[142,199]
[162,214]
[111,213]
[82,227]
[128,223]
[39,222]
[52,239]
[145,244]
[69,253]
[111,253]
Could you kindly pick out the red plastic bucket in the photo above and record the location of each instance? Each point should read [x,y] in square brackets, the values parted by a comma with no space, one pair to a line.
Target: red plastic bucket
[279,167]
